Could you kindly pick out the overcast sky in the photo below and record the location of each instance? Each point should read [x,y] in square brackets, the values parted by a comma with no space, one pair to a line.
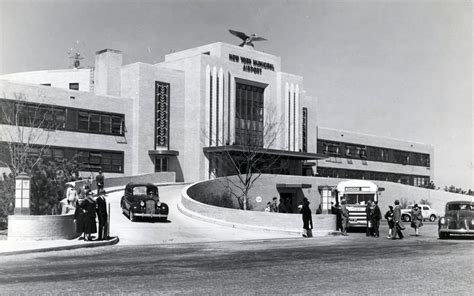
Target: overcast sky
[400,69]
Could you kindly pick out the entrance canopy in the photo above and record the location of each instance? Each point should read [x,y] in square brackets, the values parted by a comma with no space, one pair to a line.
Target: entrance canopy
[292,185]
[238,149]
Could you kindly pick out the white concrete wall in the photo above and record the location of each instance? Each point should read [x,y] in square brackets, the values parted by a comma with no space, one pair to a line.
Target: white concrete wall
[57,78]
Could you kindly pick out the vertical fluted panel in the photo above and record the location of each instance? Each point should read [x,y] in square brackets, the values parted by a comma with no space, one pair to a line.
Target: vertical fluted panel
[297,118]
[214,119]
[287,116]
[221,130]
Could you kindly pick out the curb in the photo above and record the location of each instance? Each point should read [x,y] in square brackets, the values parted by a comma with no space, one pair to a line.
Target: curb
[110,242]
[295,232]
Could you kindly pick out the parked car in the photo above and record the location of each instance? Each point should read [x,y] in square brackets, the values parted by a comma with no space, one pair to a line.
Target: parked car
[427,212]
[458,219]
[143,200]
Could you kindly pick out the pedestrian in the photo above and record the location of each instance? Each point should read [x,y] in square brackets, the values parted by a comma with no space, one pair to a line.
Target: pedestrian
[337,211]
[397,219]
[391,223]
[376,217]
[344,217]
[282,207]
[368,217]
[99,179]
[71,195]
[268,207]
[307,219]
[79,217]
[102,215]
[416,218]
[274,206]
[89,206]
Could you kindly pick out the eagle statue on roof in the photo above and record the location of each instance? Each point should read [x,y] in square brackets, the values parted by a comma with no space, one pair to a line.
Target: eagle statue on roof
[247,40]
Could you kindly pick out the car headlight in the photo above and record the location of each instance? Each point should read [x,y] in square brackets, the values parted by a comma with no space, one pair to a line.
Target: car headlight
[472,221]
[442,220]
[142,203]
[158,203]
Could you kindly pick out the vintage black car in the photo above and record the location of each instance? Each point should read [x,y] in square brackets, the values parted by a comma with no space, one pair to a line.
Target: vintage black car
[458,219]
[143,200]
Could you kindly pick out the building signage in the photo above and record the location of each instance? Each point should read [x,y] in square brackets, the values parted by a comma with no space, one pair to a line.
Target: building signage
[250,65]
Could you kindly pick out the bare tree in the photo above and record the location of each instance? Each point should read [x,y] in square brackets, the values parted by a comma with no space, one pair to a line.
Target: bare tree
[26,131]
[240,165]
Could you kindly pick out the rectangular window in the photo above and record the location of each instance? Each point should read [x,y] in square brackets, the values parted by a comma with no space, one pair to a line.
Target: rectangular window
[74,86]
[83,121]
[161,164]
[105,124]
[249,115]
[94,125]
[117,125]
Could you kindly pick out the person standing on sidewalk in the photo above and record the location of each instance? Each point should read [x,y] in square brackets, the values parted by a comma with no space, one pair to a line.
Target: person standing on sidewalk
[344,217]
[274,206]
[397,219]
[376,217]
[307,218]
[89,207]
[99,179]
[102,215]
[368,217]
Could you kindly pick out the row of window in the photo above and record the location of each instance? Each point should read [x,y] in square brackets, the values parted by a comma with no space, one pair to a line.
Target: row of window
[87,159]
[355,151]
[413,180]
[60,118]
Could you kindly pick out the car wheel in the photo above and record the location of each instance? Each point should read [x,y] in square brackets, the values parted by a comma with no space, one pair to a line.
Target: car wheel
[432,218]
[406,218]
[131,216]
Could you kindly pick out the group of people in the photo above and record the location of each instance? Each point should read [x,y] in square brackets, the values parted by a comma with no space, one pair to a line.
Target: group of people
[394,219]
[86,208]
[283,207]
[85,216]
[374,216]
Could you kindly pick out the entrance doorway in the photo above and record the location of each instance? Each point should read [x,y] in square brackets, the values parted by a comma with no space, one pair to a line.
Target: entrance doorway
[288,198]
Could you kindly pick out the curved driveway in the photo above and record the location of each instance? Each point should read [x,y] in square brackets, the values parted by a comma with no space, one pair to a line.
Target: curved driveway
[178,229]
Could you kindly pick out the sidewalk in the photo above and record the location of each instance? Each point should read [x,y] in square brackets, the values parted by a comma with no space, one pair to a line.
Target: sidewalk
[15,247]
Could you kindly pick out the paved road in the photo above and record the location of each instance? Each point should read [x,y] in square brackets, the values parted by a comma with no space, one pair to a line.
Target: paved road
[354,265]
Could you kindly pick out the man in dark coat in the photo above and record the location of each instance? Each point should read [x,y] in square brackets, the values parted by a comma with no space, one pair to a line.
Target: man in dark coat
[282,206]
[376,217]
[102,215]
[307,218]
[89,207]
[397,219]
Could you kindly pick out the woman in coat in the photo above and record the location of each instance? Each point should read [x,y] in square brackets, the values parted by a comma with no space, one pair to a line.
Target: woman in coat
[90,226]
[79,216]
[307,219]
[416,218]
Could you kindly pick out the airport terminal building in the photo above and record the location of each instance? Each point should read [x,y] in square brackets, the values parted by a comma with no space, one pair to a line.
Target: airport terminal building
[181,114]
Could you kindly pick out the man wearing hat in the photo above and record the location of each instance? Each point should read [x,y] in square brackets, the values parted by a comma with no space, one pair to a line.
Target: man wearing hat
[102,215]
[397,219]
[344,217]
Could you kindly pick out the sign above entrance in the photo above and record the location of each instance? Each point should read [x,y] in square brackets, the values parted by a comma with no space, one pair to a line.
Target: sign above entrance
[250,65]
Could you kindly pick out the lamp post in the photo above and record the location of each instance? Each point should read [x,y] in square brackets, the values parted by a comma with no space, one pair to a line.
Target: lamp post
[22,194]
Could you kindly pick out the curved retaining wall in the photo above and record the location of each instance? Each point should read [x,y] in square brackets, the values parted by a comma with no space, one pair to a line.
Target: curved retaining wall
[41,227]
[253,220]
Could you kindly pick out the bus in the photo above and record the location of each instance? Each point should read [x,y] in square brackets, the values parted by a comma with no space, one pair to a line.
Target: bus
[357,193]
